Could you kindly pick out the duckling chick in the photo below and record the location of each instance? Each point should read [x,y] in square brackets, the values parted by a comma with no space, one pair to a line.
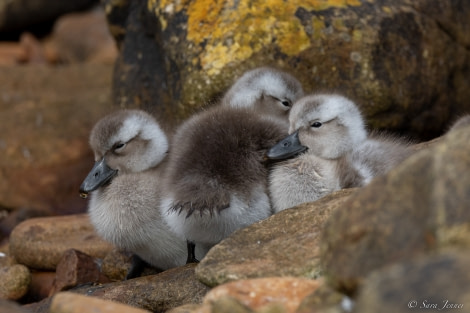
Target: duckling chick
[460,123]
[216,176]
[125,186]
[267,90]
[336,152]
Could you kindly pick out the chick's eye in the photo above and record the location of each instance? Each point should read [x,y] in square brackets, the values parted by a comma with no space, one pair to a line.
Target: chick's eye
[118,146]
[316,124]
[286,103]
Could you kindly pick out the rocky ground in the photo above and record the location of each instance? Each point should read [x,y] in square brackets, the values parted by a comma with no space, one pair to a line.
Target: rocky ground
[366,250]
[400,243]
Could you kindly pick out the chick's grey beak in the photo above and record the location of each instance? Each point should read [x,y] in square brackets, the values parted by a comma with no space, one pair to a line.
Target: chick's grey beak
[286,148]
[99,175]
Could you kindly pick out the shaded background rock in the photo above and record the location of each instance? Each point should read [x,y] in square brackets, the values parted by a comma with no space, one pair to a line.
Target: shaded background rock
[17,15]
[419,207]
[41,168]
[286,244]
[75,38]
[178,56]
[434,282]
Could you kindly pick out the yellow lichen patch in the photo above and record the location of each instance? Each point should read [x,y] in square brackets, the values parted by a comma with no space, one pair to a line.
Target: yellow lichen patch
[233,30]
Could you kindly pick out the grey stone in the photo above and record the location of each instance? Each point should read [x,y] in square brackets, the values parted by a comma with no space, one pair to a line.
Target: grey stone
[286,244]
[418,207]
[435,282]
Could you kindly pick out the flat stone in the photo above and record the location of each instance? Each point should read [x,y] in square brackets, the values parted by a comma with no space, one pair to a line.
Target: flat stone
[76,268]
[40,242]
[15,281]
[68,302]
[259,293]
[419,207]
[286,244]
[436,282]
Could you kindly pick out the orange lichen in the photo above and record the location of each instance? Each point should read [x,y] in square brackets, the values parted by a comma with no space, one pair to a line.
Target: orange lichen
[234,30]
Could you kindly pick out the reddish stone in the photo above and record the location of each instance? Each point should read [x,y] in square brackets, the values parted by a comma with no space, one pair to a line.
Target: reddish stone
[76,268]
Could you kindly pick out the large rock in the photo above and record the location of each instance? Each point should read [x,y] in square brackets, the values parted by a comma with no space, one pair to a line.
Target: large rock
[177,56]
[434,283]
[46,115]
[419,207]
[40,243]
[286,244]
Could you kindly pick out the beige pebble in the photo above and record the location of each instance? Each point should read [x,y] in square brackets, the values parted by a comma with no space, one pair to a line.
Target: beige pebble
[15,281]
[68,302]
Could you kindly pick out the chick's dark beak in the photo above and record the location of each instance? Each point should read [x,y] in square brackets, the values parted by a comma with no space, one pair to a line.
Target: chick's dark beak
[99,175]
[286,148]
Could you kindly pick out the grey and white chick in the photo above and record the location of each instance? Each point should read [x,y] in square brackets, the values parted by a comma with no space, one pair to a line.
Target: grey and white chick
[267,90]
[125,185]
[461,122]
[216,174]
[331,149]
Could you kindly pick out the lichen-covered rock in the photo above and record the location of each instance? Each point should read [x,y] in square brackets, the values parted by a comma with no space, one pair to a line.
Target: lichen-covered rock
[437,282]
[15,281]
[419,207]
[41,242]
[286,244]
[177,56]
